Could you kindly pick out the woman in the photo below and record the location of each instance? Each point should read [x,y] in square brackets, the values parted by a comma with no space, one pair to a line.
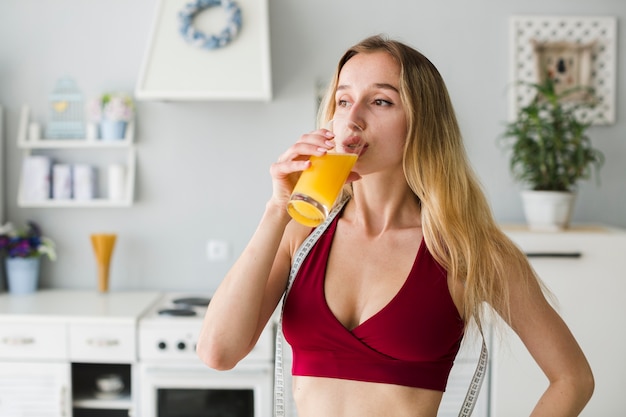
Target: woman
[378,309]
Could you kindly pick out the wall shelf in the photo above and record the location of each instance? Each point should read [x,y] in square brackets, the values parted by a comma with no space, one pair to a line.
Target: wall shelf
[125,145]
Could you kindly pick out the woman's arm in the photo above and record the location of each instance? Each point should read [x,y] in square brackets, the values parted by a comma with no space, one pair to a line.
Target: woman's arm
[248,295]
[552,345]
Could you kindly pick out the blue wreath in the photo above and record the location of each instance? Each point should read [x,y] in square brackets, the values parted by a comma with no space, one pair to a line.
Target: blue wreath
[213,41]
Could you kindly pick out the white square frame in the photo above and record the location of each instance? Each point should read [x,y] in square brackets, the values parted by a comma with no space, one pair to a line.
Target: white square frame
[173,69]
[577,29]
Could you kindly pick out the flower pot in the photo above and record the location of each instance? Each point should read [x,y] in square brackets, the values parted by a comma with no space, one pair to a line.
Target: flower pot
[548,211]
[22,275]
[113,129]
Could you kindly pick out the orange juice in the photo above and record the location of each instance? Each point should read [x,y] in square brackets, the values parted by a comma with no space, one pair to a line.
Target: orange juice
[319,186]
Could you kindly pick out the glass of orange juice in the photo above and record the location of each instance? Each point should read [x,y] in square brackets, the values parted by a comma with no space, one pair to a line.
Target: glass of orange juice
[319,185]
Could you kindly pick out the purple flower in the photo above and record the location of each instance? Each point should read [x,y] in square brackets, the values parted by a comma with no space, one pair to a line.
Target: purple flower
[25,243]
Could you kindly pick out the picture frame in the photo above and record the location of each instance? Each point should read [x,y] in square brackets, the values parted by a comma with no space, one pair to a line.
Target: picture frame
[173,69]
[568,64]
[598,31]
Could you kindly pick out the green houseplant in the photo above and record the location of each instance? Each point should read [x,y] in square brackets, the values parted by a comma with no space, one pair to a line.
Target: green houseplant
[550,152]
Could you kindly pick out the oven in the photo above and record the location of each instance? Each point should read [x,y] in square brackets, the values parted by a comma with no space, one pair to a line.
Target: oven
[173,382]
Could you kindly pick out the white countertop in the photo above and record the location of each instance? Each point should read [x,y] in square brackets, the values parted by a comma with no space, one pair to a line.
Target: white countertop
[573,229]
[76,306]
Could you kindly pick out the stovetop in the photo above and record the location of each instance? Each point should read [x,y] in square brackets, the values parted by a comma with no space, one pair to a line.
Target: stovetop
[169,330]
[183,306]
[173,306]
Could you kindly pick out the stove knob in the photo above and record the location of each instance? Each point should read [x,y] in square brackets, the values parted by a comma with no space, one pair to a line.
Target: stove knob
[181,346]
[162,345]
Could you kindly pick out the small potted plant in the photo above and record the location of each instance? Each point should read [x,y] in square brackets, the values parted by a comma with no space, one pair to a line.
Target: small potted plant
[22,250]
[113,111]
[550,153]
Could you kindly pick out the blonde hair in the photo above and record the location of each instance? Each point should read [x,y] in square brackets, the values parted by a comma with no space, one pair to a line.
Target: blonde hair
[458,226]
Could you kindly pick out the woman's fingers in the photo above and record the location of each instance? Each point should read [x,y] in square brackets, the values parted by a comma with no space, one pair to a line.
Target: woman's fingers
[286,170]
[314,143]
[281,170]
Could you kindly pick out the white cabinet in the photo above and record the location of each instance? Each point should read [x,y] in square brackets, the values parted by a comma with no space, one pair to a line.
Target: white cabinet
[34,372]
[584,268]
[54,345]
[103,343]
[80,150]
[35,389]
[20,340]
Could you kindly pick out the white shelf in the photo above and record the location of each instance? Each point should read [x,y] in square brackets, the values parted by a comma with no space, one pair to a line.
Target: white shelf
[85,400]
[126,145]
[96,202]
[75,143]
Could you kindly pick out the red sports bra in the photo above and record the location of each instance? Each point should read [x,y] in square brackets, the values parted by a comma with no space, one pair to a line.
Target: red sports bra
[412,341]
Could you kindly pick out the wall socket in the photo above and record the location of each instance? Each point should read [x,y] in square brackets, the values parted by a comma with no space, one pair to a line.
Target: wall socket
[217,250]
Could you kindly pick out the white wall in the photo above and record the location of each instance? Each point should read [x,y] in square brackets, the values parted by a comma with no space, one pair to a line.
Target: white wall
[203,167]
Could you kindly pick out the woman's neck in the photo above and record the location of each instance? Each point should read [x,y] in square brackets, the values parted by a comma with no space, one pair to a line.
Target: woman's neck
[380,204]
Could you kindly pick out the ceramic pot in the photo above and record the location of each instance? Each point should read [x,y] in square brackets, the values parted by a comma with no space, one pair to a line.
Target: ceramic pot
[548,211]
[113,129]
[22,275]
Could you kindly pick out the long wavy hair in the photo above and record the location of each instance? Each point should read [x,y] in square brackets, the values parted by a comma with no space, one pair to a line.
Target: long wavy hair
[457,222]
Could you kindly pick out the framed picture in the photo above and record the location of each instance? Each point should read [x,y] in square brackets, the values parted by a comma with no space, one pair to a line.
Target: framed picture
[179,65]
[568,64]
[578,50]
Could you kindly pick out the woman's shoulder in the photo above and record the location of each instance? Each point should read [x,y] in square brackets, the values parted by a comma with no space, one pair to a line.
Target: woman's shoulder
[295,234]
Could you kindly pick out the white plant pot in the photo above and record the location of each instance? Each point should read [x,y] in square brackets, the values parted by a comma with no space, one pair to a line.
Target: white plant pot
[548,211]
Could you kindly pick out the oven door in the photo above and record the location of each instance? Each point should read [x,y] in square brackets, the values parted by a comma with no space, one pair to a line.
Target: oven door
[180,390]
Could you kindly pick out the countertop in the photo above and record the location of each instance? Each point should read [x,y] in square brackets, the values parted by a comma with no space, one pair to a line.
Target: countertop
[573,229]
[76,306]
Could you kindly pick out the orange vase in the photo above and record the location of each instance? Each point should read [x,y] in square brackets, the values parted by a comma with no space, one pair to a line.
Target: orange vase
[103,244]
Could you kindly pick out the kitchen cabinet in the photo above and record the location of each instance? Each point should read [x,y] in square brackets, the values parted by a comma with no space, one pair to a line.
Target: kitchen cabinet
[54,345]
[81,150]
[34,372]
[34,389]
[584,268]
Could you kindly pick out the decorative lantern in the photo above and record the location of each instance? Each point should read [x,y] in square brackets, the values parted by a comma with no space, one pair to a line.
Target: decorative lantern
[66,111]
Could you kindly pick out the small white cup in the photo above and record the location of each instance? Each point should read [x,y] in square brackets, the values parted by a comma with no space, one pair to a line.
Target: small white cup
[91,131]
[34,131]
[117,182]
[110,383]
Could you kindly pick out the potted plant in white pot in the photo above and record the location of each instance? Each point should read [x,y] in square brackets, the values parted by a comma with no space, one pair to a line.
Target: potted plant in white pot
[113,111]
[550,153]
[22,250]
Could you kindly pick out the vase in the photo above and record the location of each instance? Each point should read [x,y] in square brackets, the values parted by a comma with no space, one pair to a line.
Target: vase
[548,211]
[22,275]
[103,244]
[113,129]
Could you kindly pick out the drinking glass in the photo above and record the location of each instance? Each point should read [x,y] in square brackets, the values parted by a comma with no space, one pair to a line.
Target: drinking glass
[320,185]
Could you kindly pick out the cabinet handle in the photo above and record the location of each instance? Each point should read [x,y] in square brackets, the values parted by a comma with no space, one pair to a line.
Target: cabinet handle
[18,341]
[554,255]
[64,407]
[102,342]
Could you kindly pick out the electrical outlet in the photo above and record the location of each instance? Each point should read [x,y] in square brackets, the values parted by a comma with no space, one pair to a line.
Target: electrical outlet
[217,250]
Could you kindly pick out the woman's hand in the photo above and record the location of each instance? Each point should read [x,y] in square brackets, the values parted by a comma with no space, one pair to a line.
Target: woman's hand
[286,171]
